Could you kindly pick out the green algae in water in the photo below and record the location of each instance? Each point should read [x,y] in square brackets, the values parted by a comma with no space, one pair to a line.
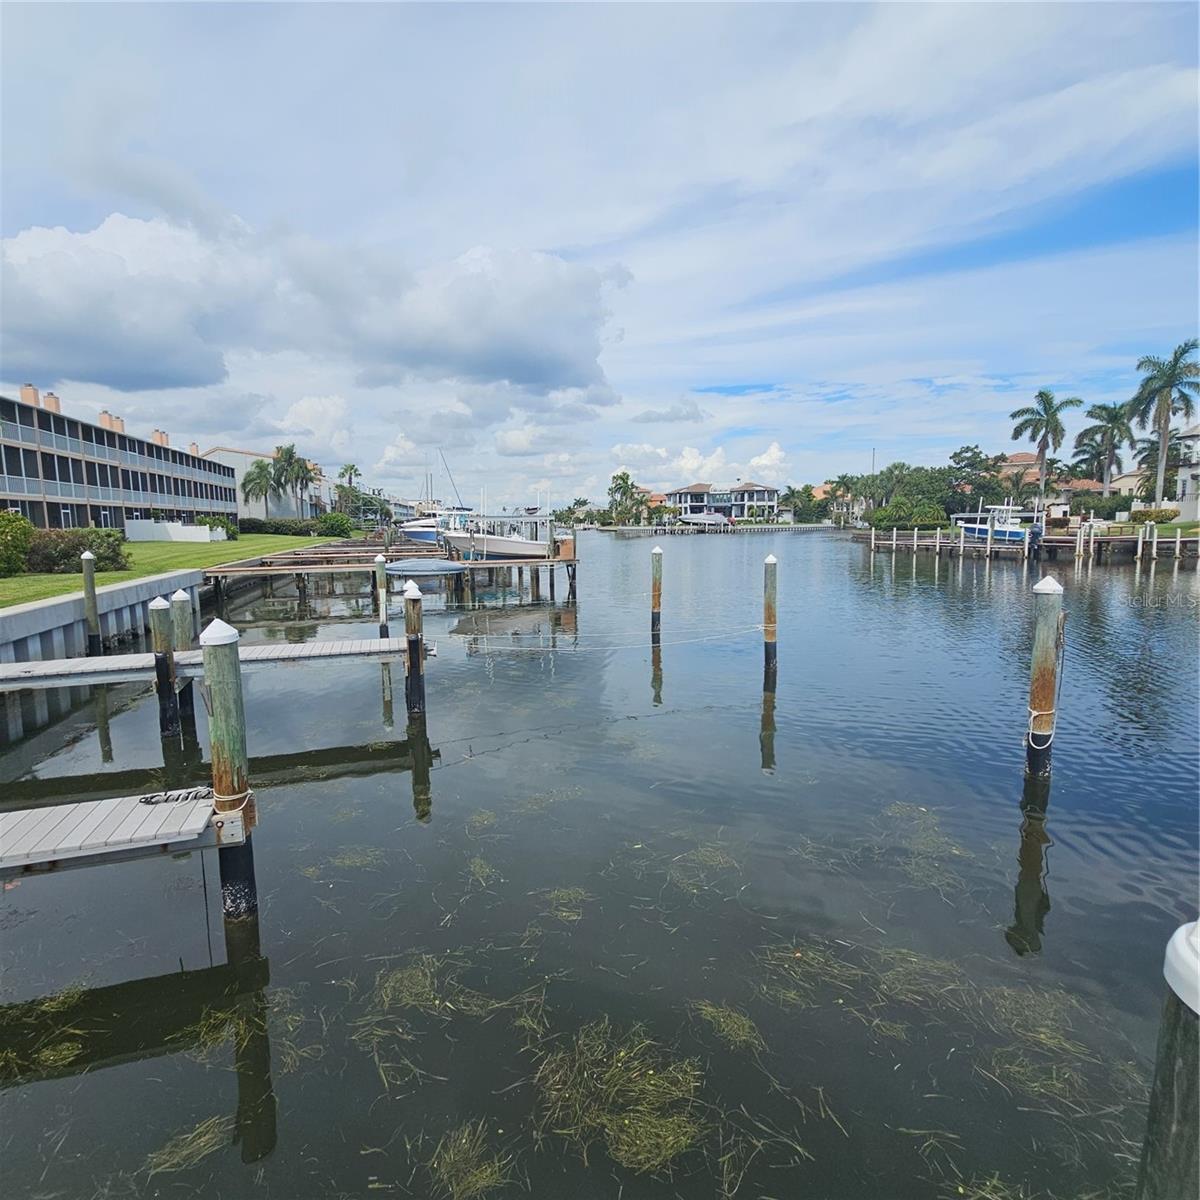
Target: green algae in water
[463,1169]
[696,869]
[566,904]
[481,872]
[930,858]
[731,1025]
[58,1054]
[622,1089]
[797,971]
[480,822]
[185,1150]
[368,858]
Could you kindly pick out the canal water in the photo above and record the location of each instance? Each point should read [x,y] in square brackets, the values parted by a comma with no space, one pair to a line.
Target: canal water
[616,924]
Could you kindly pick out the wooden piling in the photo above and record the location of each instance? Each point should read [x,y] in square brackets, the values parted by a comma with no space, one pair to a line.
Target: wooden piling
[1178,542]
[770,627]
[1153,542]
[1170,1152]
[656,562]
[962,540]
[414,680]
[894,531]
[91,609]
[550,581]
[1043,675]
[535,583]
[872,539]
[991,529]
[937,541]
[916,535]
[230,766]
[181,639]
[381,594]
[162,639]
[1137,554]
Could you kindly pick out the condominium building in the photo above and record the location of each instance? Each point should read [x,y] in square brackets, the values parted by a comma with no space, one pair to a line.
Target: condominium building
[62,472]
[277,504]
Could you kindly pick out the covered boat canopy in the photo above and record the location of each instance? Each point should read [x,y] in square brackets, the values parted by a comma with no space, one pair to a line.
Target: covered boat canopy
[410,567]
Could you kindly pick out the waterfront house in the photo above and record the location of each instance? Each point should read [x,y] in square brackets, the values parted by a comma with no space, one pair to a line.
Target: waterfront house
[1187,482]
[740,500]
[62,472]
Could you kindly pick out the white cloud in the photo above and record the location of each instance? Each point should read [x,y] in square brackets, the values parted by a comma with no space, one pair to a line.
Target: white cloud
[639,454]
[320,422]
[698,467]
[771,464]
[521,443]
[400,457]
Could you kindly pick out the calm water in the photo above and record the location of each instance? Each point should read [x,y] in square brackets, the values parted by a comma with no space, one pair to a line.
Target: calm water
[951,978]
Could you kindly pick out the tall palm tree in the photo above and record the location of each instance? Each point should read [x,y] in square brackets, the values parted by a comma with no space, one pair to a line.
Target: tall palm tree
[1110,432]
[284,468]
[1147,456]
[1166,391]
[258,483]
[622,495]
[1041,422]
[303,477]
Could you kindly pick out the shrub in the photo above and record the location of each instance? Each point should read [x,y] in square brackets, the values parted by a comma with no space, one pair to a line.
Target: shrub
[335,524]
[16,535]
[1105,507]
[1057,522]
[1157,516]
[290,526]
[231,530]
[57,551]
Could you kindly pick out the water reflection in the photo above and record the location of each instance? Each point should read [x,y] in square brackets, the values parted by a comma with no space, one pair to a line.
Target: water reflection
[766,733]
[422,754]
[656,669]
[1032,900]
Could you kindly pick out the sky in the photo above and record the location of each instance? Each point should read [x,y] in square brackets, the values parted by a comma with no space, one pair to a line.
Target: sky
[697,242]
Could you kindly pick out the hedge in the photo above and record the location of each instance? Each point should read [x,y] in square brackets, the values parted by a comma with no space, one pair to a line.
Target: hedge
[231,530]
[1156,516]
[57,551]
[290,526]
[335,524]
[16,536]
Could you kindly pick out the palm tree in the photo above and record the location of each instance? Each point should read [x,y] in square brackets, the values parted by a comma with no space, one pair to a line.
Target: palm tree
[1091,457]
[1166,391]
[1110,432]
[303,477]
[284,467]
[622,496]
[1146,457]
[348,473]
[258,483]
[1041,422]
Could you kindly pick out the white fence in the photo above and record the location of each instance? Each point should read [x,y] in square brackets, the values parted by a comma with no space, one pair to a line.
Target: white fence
[171,531]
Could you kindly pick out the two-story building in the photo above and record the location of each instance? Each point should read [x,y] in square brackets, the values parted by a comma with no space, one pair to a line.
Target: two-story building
[278,504]
[62,472]
[1187,482]
[741,500]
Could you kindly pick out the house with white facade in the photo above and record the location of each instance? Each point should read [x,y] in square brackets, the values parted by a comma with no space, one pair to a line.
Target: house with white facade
[741,501]
[1187,482]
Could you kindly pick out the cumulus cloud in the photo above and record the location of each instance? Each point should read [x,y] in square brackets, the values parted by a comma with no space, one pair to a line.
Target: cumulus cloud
[520,443]
[320,421]
[698,467]
[639,454]
[399,458]
[137,304]
[771,464]
[685,410]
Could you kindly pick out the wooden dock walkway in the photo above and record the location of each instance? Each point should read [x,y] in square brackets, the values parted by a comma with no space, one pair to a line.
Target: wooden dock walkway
[126,668]
[166,821]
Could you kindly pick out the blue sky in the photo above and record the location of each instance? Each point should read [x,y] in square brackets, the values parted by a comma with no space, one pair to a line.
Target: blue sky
[696,241]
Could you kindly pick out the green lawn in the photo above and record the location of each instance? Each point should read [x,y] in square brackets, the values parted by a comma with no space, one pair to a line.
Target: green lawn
[153,558]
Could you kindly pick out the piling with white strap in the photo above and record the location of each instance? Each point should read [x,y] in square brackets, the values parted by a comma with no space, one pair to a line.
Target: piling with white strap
[1137,555]
[962,540]
[91,609]
[937,541]
[1153,542]
[1170,1152]
[916,534]
[414,680]
[991,530]
[1043,676]
[1178,541]
[872,539]
[162,640]
[381,593]
[894,532]
[230,764]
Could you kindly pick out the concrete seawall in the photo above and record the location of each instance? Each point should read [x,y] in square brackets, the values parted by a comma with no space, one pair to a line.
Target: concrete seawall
[56,628]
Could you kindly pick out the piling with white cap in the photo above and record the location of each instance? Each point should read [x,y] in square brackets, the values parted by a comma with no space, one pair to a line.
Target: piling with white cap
[656,559]
[181,639]
[1170,1153]
[230,765]
[414,680]
[91,609]
[381,593]
[1043,675]
[162,640]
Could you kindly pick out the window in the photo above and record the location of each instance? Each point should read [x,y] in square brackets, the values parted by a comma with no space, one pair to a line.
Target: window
[68,517]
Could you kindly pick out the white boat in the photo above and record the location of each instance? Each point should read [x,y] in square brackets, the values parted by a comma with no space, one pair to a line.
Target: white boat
[504,536]
[712,520]
[478,544]
[423,529]
[1003,519]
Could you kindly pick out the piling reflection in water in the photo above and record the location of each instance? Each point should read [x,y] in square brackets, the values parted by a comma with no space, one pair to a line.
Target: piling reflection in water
[766,733]
[1032,901]
[422,764]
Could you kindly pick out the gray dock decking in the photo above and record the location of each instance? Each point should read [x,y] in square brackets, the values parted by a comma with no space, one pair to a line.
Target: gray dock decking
[125,668]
